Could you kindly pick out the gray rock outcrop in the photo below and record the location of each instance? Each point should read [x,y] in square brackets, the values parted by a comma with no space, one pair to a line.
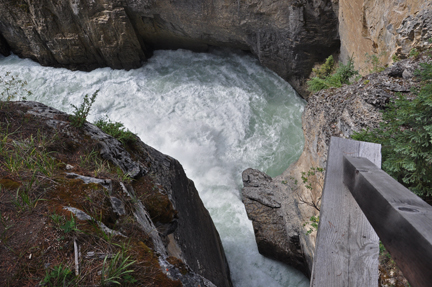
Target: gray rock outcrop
[287,36]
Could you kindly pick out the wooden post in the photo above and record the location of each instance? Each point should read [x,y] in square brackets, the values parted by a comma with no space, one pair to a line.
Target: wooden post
[402,220]
[347,247]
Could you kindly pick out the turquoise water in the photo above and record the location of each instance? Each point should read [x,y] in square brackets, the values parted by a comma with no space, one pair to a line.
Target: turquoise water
[217,113]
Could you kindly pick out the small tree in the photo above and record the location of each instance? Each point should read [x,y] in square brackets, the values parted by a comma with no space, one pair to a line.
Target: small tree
[325,69]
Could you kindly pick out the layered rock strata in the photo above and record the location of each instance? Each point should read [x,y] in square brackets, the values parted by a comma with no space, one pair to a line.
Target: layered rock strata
[333,112]
[287,36]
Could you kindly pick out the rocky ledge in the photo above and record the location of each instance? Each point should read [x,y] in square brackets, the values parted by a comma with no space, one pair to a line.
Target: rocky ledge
[78,199]
[281,207]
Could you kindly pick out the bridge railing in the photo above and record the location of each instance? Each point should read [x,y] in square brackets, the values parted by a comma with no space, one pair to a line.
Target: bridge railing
[360,203]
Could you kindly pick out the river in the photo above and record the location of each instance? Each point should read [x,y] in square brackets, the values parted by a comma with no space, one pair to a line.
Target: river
[217,113]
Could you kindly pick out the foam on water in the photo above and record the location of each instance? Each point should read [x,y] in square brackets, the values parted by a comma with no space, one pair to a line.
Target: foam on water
[217,113]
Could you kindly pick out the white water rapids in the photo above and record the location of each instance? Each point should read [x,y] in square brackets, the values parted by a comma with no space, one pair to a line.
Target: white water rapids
[217,113]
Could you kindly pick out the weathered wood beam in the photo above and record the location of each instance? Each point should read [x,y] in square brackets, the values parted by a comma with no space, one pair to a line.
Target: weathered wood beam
[346,253]
[402,220]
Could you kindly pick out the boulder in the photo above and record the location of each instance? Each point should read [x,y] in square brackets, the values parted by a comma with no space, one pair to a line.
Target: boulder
[275,220]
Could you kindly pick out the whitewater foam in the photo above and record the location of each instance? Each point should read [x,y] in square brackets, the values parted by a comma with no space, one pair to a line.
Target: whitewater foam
[217,113]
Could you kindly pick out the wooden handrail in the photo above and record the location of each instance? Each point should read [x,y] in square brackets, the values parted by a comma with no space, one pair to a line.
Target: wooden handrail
[360,201]
[402,220]
[347,247]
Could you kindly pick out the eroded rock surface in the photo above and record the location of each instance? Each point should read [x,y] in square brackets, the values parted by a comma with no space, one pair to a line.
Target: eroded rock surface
[287,36]
[383,29]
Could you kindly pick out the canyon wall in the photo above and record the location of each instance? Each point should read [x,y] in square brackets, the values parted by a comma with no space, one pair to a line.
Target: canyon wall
[384,29]
[286,36]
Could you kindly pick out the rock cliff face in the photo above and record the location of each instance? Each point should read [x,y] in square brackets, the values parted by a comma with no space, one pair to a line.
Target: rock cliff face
[287,36]
[383,29]
[333,112]
[159,213]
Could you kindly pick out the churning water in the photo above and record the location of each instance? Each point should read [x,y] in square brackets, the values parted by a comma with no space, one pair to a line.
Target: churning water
[217,113]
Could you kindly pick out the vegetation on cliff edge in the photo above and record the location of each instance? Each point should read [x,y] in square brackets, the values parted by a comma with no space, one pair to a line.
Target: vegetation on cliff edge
[406,137]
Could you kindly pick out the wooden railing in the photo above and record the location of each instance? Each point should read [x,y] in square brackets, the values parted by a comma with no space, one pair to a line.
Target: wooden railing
[361,202]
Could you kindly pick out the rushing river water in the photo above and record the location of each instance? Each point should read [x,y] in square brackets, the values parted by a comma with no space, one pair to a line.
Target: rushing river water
[217,113]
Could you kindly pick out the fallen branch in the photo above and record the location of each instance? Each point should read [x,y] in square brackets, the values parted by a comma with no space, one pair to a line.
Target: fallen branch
[76,257]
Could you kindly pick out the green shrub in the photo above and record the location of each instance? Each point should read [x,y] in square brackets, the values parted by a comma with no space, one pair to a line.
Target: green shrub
[406,137]
[325,69]
[116,130]
[342,76]
[80,114]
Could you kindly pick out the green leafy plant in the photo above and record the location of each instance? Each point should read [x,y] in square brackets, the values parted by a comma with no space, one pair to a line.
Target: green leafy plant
[124,177]
[59,276]
[116,130]
[342,76]
[27,155]
[115,270]
[80,114]
[313,223]
[383,250]
[310,179]
[11,87]
[67,225]
[406,137]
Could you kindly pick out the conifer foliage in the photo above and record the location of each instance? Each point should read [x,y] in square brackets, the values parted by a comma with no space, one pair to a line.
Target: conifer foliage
[406,137]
